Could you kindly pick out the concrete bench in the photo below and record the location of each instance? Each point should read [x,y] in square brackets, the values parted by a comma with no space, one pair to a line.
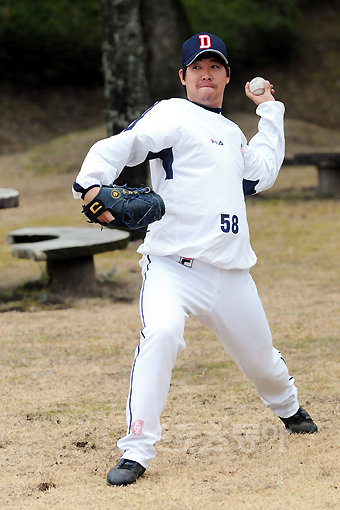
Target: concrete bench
[328,166]
[8,198]
[68,252]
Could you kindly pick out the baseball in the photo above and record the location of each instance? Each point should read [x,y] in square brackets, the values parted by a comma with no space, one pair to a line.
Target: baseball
[256,86]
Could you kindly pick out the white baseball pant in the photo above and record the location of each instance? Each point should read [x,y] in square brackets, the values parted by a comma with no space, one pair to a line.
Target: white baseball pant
[228,303]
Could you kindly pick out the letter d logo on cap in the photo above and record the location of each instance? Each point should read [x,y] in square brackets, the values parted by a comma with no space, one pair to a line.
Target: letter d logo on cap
[205,41]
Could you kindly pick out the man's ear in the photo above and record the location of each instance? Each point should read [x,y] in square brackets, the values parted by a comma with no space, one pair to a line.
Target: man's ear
[180,72]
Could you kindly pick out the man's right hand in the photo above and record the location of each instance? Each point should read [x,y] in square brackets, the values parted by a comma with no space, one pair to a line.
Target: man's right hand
[106,216]
[266,96]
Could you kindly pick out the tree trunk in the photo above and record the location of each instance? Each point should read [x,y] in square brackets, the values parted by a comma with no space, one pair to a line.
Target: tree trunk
[165,27]
[125,84]
[141,57]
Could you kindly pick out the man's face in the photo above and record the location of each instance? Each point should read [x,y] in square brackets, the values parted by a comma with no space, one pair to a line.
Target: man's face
[205,81]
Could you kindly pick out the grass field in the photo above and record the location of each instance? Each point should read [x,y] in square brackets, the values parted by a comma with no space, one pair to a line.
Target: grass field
[65,361]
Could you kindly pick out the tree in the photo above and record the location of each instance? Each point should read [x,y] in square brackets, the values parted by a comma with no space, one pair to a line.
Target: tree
[124,57]
[142,40]
[165,27]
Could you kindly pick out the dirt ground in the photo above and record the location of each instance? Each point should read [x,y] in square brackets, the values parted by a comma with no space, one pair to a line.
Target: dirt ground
[65,363]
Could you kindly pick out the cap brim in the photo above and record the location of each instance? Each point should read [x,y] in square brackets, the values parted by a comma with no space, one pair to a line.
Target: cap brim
[205,51]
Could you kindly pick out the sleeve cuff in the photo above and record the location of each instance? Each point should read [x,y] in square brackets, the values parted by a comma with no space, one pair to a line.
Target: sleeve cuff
[270,106]
[79,189]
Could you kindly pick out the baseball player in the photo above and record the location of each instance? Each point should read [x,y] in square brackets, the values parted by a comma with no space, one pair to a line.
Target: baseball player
[196,259]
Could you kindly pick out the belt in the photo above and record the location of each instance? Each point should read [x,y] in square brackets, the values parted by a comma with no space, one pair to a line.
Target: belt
[186,261]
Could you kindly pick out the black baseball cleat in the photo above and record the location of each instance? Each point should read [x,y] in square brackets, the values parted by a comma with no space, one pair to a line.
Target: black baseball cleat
[125,472]
[300,423]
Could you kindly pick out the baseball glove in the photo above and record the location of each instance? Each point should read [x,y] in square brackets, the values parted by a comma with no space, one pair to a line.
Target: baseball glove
[132,208]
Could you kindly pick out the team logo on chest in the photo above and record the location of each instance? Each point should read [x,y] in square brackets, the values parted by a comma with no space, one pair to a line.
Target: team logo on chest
[217,142]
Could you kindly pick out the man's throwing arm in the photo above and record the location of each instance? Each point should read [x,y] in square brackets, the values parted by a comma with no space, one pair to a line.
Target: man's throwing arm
[265,152]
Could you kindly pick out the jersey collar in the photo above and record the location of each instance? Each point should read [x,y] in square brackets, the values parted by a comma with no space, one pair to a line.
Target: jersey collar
[209,108]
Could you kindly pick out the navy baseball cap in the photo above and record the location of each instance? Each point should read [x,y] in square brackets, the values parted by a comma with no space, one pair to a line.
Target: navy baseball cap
[201,43]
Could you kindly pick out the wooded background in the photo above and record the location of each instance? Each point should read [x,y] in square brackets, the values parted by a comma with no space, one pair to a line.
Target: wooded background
[59,41]
[131,48]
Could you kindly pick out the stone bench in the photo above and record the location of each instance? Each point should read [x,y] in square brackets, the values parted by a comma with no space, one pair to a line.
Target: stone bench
[68,252]
[8,198]
[328,166]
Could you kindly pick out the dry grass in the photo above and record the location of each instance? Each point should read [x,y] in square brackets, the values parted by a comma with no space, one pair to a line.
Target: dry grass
[65,367]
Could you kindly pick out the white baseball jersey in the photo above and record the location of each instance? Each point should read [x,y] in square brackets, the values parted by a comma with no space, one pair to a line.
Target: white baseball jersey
[202,166]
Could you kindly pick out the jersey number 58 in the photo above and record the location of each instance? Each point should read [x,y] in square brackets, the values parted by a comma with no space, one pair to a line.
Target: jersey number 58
[228,224]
